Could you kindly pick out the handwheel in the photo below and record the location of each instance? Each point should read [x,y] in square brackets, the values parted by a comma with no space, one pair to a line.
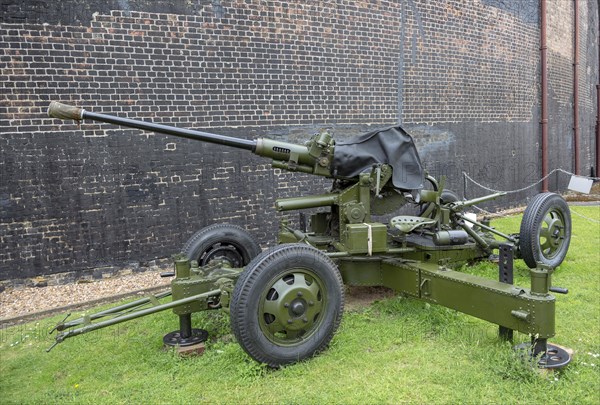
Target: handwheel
[429,209]
[222,242]
[545,230]
[287,304]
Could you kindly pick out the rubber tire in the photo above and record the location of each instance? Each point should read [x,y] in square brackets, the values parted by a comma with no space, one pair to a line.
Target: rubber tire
[265,268]
[233,236]
[448,196]
[529,233]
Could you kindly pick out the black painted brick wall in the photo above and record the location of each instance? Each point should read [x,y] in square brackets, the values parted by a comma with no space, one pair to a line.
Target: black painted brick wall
[462,76]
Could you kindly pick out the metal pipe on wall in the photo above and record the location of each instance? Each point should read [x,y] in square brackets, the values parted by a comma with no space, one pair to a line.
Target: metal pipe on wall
[576,86]
[598,120]
[597,168]
[544,101]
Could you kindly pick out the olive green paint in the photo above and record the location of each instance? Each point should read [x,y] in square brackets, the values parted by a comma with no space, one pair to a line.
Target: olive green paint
[412,255]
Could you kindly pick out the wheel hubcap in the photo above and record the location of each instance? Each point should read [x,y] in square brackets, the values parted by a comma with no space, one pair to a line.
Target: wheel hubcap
[291,306]
[222,251]
[298,308]
[552,234]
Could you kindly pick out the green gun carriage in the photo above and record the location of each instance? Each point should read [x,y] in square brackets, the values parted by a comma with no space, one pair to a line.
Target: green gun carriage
[286,303]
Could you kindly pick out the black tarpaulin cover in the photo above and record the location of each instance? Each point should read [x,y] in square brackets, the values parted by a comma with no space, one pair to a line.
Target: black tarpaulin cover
[392,146]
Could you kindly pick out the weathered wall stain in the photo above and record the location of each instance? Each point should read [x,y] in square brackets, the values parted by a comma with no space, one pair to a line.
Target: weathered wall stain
[462,77]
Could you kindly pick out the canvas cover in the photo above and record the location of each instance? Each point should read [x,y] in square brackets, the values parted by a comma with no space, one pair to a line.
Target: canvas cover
[392,146]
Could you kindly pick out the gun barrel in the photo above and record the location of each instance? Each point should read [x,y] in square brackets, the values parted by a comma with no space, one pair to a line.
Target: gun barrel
[467,203]
[63,111]
[314,157]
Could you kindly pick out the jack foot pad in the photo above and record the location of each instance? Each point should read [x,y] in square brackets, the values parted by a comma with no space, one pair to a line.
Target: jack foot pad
[555,356]
[193,350]
[175,338]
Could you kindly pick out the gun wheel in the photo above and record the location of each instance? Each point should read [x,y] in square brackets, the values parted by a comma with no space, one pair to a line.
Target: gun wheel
[545,231]
[222,242]
[287,304]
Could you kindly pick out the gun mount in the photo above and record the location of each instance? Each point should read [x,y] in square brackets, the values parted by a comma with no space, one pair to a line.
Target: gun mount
[286,303]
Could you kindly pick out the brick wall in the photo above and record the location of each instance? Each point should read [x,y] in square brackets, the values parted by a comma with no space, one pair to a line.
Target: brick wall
[461,75]
[466,61]
[560,83]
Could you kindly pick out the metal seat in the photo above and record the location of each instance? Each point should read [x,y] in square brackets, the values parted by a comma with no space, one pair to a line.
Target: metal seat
[407,223]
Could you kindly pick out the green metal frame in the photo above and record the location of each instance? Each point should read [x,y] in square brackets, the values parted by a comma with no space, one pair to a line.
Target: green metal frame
[412,255]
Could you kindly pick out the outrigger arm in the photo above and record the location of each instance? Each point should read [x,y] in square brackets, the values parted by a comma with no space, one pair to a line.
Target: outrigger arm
[89,326]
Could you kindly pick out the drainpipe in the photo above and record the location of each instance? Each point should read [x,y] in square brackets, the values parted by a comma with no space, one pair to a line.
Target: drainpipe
[597,174]
[598,126]
[576,85]
[544,112]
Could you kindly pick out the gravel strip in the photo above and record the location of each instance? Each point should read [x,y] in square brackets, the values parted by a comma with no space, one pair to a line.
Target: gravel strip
[27,304]
[22,302]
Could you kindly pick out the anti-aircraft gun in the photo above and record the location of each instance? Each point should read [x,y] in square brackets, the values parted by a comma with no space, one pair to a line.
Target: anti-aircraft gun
[286,303]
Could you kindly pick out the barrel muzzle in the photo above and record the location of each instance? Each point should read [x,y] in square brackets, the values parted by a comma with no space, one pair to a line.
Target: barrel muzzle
[64,112]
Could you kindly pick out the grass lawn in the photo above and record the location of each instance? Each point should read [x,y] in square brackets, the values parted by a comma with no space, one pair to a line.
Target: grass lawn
[395,350]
